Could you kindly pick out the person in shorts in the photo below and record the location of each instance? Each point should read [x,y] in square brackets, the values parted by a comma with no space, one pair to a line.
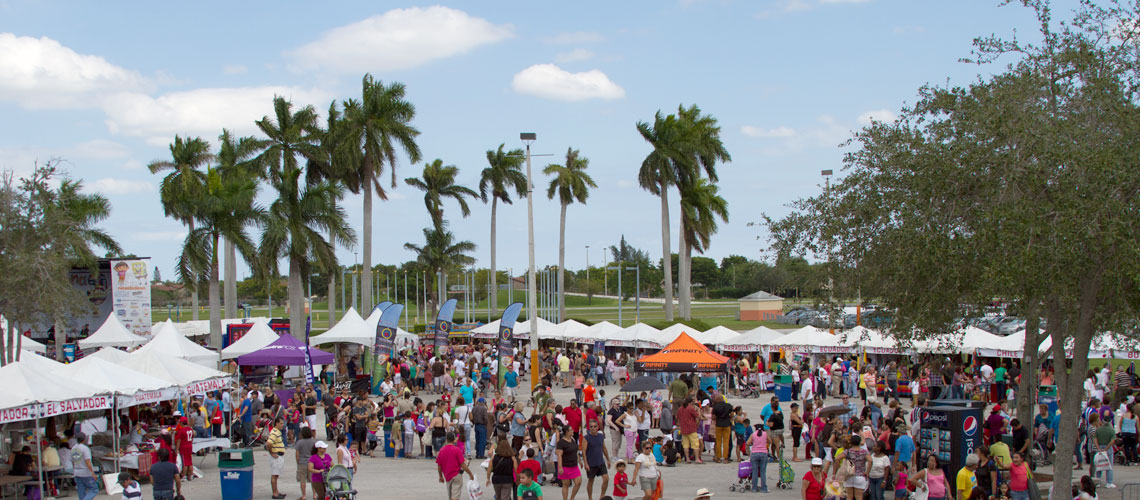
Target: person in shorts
[304,450]
[597,458]
[646,470]
[450,464]
[275,445]
[566,469]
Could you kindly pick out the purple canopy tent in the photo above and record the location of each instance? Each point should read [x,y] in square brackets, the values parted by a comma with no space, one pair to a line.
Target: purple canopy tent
[285,351]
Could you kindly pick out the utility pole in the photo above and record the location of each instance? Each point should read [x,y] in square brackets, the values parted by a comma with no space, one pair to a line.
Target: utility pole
[618,269]
[406,301]
[535,368]
[589,296]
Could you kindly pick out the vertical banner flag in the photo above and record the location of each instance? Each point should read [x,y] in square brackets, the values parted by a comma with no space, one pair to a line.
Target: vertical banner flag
[309,378]
[380,307]
[506,339]
[130,293]
[385,341]
[443,324]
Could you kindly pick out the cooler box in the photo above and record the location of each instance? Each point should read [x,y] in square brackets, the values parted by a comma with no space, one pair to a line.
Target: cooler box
[236,471]
[784,388]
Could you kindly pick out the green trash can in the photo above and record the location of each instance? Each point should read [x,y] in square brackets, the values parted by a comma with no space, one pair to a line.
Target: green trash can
[1047,395]
[236,469]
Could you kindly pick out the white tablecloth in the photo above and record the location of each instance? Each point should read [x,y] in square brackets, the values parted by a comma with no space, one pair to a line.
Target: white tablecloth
[204,443]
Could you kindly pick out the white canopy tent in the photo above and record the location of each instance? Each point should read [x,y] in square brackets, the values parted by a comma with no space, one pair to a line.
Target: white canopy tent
[351,329]
[636,335]
[487,331]
[258,336]
[110,354]
[755,339]
[717,335]
[671,332]
[522,328]
[130,387]
[403,338]
[33,389]
[602,330]
[26,343]
[191,378]
[168,341]
[868,340]
[568,328]
[112,333]
[810,339]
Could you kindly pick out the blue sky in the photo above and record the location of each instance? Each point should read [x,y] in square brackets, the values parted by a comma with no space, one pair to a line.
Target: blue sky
[106,86]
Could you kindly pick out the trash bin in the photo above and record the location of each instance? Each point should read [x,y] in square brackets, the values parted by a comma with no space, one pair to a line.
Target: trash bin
[784,387]
[236,470]
[1047,395]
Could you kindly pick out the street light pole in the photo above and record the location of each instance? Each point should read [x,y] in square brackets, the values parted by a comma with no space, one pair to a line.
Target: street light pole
[528,138]
[589,296]
[638,315]
[618,269]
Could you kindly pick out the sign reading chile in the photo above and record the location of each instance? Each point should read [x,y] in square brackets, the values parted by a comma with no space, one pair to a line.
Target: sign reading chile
[970,426]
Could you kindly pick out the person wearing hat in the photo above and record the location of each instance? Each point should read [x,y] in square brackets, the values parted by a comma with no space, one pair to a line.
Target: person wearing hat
[812,486]
[966,482]
[704,494]
[184,445]
[319,463]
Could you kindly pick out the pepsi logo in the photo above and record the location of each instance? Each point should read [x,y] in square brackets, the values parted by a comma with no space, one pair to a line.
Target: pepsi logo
[970,426]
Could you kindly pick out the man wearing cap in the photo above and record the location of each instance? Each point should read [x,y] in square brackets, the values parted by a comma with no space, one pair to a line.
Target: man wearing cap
[85,485]
[449,463]
[184,445]
[966,482]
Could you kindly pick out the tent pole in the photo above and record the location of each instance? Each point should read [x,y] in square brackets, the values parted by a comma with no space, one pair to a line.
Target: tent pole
[115,434]
[39,457]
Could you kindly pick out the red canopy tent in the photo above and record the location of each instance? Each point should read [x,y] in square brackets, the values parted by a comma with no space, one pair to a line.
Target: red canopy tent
[682,355]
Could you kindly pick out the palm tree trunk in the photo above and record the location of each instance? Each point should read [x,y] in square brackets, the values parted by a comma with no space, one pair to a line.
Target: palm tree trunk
[493,296]
[296,300]
[332,290]
[229,294]
[214,299]
[562,264]
[666,254]
[366,276]
[683,289]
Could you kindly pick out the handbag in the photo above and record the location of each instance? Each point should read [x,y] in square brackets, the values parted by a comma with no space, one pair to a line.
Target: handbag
[658,490]
[1101,460]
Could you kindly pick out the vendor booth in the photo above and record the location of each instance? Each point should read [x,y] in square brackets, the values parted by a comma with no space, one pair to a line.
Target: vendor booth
[112,333]
[684,354]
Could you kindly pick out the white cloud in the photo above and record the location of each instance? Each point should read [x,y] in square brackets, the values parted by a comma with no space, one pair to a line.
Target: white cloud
[161,236]
[108,185]
[574,55]
[99,149]
[133,165]
[574,37]
[548,81]
[878,115]
[234,69]
[201,112]
[398,39]
[767,133]
[42,73]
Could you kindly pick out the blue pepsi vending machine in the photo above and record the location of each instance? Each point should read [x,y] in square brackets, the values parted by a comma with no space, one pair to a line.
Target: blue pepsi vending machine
[951,433]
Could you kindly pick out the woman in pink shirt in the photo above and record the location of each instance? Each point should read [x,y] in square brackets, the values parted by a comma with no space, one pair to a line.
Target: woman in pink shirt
[758,444]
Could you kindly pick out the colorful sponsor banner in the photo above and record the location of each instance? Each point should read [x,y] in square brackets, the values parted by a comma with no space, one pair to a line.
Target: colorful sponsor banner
[385,342]
[44,410]
[506,339]
[443,324]
[380,307]
[309,377]
[130,292]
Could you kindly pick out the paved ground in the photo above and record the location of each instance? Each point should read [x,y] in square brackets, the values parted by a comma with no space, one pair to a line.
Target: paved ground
[417,478]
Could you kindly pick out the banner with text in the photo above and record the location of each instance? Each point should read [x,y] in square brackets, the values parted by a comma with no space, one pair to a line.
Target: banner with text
[130,294]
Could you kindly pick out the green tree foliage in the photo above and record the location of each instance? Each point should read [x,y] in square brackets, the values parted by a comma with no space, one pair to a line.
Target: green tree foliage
[438,182]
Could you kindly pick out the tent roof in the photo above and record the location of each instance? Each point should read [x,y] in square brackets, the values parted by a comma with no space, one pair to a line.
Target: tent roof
[761,296]
[258,336]
[109,354]
[753,339]
[865,337]
[601,330]
[33,380]
[570,328]
[119,378]
[671,332]
[682,355]
[27,343]
[351,329]
[717,335]
[522,327]
[285,351]
[169,368]
[166,340]
[491,328]
[635,335]
[808,336]
[371,323]
[112,333]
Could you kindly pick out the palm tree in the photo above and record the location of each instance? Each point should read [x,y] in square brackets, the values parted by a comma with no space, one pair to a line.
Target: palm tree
[570,183]
[233,158]
[183,184]
[379,124]
[439,253]
[224,210]
[658,172]
[437,183]
[295,218]
[498,180]
[701,205]
[701,148]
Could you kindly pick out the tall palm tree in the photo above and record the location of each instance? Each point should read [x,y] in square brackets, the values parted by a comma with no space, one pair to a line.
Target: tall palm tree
[438,182]
[571,183]
[295,218]
[234,158]
[701,205]
[659,172]
[183,183]
[701,149]
[380,124]
[503,175]
[439,253]
[224,210]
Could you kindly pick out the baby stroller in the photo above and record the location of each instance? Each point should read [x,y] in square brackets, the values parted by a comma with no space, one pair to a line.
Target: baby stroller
[787,475]
[743,477]
[338,481]
[750,390]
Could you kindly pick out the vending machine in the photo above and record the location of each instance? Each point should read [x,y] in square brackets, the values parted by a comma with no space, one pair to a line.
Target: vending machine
[951,433]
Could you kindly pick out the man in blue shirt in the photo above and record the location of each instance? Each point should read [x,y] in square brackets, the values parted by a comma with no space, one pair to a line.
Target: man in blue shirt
[904,447]
[467,391]
[245,413]
[511,379]
[769,410]
[851,413]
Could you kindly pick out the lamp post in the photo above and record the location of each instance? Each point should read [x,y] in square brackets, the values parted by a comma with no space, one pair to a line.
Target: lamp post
[589,296]
[528,138]
[830,284]
[619,270]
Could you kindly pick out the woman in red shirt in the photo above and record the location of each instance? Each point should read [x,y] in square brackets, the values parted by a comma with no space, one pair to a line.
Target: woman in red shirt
[812,487]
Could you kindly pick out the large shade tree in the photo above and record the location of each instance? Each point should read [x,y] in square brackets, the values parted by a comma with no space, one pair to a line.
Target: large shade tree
[499,179]
[184,181]
[380,125]
[570,183]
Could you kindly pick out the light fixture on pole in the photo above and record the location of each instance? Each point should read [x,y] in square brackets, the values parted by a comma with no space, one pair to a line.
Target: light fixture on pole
[528,138]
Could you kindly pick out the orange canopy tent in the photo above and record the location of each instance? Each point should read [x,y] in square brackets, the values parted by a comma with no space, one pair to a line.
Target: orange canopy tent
[682,355]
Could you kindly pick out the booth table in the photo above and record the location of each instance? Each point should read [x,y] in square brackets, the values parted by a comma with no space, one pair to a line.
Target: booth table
[8,482]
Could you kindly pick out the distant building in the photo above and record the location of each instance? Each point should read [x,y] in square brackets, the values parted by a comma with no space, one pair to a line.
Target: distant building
[761,306]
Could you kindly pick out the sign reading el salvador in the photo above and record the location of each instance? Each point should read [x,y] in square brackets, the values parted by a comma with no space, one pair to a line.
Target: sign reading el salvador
[34,411]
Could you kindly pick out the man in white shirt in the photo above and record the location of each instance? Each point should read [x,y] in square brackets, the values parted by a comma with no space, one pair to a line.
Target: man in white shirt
[807,388]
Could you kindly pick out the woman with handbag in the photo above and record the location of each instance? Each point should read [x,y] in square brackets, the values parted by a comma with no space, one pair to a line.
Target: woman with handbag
[856,463]
[932,480]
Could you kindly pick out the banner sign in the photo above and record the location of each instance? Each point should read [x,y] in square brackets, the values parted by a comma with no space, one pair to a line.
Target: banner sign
[308,357]
[384,343]
[147,397]
[443,324]
[380,307]
[506,340]
[34,411]
[130,294]
[205,386]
